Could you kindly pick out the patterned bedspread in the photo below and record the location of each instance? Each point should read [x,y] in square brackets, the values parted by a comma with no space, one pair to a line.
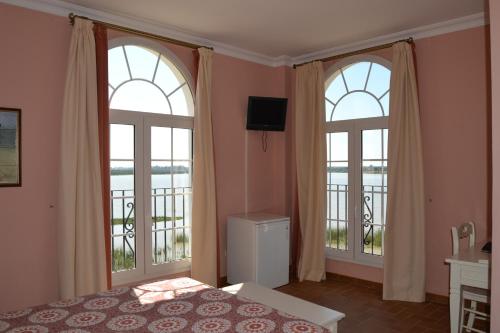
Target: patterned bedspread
[178,305]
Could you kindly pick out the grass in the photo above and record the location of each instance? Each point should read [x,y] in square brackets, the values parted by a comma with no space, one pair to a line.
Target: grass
[122,261]
[331,235]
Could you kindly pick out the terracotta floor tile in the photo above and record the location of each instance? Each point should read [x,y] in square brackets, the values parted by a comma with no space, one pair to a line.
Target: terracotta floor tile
[366,312]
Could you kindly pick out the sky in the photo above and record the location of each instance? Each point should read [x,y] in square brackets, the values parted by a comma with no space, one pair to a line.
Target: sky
[375,79]
[139,94]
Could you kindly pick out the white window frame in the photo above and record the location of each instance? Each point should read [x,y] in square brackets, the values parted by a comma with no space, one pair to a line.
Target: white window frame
[142,122]
[354,128]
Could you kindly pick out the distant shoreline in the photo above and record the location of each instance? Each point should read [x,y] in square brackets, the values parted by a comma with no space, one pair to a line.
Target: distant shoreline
[156,170]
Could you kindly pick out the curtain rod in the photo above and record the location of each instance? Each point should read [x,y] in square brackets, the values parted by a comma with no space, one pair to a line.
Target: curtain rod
[368,49]
[72,17]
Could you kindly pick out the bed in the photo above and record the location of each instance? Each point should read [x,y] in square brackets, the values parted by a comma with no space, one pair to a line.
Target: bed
[177,305]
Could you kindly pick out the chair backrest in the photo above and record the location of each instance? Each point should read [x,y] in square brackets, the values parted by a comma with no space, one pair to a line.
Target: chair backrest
[463,231]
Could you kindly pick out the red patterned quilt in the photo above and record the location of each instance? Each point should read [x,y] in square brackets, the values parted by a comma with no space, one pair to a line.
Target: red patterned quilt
[178,305]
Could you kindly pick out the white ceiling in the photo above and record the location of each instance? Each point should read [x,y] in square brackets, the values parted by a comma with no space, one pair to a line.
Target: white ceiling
[288,27]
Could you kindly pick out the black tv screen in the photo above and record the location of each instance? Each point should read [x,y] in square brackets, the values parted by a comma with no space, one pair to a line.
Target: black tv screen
[266,113]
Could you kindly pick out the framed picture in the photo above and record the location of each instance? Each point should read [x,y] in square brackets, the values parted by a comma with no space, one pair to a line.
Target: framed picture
[10,147]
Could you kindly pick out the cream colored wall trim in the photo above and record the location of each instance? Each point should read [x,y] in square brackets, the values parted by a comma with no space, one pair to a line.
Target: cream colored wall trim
[61,8]
[435,29]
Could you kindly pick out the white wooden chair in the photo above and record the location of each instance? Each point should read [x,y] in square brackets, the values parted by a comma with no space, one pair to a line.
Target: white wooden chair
[474,295]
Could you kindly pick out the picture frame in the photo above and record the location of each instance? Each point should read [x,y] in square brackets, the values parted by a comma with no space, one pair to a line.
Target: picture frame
[10,147]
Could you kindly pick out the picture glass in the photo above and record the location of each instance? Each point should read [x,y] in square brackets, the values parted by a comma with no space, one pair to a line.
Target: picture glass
[10,128]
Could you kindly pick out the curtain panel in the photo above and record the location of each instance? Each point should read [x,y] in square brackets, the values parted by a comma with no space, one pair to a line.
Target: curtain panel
[204,252]
[81,244]
[404,240]
[310,146]
[101,45]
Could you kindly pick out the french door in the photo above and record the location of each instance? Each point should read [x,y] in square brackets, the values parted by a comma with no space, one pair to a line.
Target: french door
[356,189]
[151,173]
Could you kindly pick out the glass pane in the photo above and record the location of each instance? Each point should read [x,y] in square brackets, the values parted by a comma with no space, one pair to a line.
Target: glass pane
[182,143]
[139,96]
[336,89]
[356,75]
[110,92]
[386,140]
[161,174]
[179,101]
[142,62]
[161,145]
[122,141]
[165,77]
[161,211]
[385,103]
[328,110]
[379,80]
[122,216]
[357,105]
[122,176]
[117,67]
[182,174]
[372,144]
[339,148]
[374,189]
[337,190]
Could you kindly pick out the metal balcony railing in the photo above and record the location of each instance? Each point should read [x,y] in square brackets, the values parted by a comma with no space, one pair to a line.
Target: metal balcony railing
[373,199]
[170,217]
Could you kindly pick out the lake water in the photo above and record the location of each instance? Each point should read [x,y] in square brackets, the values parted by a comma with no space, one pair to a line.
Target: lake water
[183,203]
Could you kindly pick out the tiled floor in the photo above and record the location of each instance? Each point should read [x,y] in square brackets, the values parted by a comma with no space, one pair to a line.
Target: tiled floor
[366,312]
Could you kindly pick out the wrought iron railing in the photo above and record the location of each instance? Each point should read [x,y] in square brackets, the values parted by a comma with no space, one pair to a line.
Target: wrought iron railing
[123,230]
[171,234]
[374,199]
[337,216]
[170,226]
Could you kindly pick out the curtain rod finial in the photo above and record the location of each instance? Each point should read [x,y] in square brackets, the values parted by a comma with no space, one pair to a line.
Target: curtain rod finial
[71,17]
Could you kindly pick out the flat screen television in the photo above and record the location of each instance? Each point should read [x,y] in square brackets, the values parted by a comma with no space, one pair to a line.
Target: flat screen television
[266,113]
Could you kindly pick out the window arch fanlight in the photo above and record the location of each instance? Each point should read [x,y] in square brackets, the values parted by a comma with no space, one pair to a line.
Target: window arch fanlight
[146,77]
[357,87]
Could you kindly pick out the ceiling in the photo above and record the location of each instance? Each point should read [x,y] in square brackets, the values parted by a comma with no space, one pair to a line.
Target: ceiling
[288,27]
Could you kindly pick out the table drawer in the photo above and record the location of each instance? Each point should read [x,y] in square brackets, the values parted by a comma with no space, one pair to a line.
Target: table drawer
[475,276]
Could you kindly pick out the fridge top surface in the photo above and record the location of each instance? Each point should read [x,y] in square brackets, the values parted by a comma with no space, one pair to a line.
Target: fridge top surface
[259,218]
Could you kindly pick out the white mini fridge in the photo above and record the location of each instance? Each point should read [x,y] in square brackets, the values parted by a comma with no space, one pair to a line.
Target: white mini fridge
[258,249]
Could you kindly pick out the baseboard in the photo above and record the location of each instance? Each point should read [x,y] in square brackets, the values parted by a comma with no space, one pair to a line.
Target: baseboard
[223,281]
[439,299]
[429,297]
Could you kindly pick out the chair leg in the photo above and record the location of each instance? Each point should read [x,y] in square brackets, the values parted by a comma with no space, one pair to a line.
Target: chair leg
[472,316]
[462,314]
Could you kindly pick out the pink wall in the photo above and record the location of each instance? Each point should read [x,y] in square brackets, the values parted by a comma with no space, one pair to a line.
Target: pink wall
[452,81]
[32,67]
[248,179]
[453,94]
[495,125]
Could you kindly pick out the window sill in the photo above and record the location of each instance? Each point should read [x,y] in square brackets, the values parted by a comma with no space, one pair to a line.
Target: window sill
[363,262]
[168,269]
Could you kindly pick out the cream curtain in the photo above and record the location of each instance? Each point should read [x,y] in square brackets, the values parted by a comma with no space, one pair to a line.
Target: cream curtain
[82,259]
[404,256]
[204,262]
[310,145]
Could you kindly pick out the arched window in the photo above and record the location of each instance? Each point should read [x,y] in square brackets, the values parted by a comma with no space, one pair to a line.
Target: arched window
[356,112]
[358,90]
[151,115]
[142,79]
